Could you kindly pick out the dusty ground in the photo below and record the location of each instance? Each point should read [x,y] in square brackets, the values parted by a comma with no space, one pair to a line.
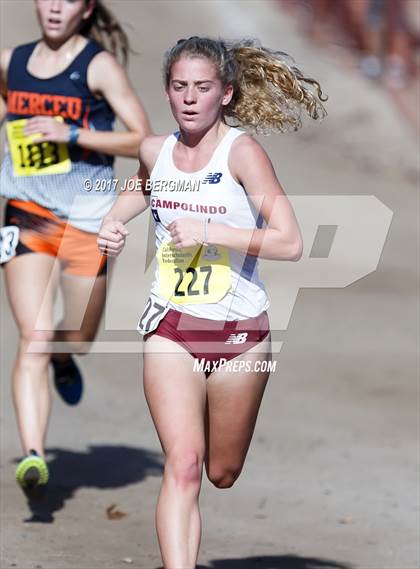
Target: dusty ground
[332,475]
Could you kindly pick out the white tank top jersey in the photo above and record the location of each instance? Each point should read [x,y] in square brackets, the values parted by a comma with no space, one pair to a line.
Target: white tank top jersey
[220,199]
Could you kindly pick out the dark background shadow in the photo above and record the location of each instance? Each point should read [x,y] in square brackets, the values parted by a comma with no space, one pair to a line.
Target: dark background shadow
[102,466]
[274,562]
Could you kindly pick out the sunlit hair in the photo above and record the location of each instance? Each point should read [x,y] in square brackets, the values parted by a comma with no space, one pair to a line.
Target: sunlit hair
[104,28]
[269,92]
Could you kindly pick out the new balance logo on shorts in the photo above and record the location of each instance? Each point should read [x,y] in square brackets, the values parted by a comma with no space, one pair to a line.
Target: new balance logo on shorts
[213,178]
[237,338]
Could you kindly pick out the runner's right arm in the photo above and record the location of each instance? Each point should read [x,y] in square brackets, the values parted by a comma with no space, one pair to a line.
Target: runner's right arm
[130,202]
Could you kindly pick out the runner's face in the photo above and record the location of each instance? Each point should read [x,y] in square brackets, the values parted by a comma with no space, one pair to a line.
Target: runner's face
[60,19]
[196,94]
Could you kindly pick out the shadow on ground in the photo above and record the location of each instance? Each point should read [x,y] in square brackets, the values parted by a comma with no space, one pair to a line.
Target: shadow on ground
[99,467]
[274,562]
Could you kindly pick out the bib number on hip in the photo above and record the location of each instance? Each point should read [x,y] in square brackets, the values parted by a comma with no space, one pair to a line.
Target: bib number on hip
[194,275]
[9,238]
[32,158]
[153,313]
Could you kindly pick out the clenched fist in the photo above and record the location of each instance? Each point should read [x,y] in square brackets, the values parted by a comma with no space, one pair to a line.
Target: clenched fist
[187,232]
[111,237]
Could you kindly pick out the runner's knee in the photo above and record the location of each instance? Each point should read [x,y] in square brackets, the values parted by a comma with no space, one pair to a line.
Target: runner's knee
[80,340]
[34,346]
[36,341]
[222,476]
[183,468]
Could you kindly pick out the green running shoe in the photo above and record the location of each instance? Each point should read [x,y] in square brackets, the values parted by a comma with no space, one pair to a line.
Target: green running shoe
[32,472]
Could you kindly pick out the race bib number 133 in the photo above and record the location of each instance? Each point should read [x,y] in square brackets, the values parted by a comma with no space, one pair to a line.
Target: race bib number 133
[32,158]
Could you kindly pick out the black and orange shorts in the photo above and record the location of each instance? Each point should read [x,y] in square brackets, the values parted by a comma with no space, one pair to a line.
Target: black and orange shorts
[41,231]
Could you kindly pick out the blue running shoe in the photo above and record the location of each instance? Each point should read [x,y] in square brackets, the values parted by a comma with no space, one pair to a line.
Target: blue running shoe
[68,380]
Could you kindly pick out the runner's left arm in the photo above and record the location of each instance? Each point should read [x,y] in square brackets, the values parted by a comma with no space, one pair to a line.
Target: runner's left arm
[280,239]
[107,79]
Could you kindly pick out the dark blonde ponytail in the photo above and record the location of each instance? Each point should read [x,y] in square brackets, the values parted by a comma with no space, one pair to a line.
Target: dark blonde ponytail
[272,92]
[104,28]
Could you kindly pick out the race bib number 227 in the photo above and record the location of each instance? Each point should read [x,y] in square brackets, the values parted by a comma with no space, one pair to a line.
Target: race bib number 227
[193,275]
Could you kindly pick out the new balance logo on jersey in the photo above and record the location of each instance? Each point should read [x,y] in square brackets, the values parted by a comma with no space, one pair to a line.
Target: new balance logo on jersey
[237,338]
[213,178]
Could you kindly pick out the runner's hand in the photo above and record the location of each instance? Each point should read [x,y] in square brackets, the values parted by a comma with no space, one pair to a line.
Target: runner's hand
[49,129]
[186,232]
[111,237]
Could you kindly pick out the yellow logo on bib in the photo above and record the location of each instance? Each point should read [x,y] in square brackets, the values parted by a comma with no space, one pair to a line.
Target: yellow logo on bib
[194,275]
[32,158]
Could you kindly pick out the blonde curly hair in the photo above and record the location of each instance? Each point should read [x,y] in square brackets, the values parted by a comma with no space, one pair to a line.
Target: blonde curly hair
[269,92]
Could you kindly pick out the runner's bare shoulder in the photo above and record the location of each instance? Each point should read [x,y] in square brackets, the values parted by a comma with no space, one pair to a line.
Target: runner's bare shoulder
[246,154]
[149,149]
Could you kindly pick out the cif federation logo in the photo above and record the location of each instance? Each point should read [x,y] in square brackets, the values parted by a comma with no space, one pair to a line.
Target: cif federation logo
[211,253]
[213,178]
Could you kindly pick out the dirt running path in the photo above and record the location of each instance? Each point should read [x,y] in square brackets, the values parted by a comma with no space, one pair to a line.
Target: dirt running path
[333,469]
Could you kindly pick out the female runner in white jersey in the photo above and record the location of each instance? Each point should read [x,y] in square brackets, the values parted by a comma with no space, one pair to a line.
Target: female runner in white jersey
[207,303]
[67,74]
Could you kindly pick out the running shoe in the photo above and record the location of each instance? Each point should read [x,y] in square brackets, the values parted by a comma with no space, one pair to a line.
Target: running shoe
[32,472]
[68,380]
